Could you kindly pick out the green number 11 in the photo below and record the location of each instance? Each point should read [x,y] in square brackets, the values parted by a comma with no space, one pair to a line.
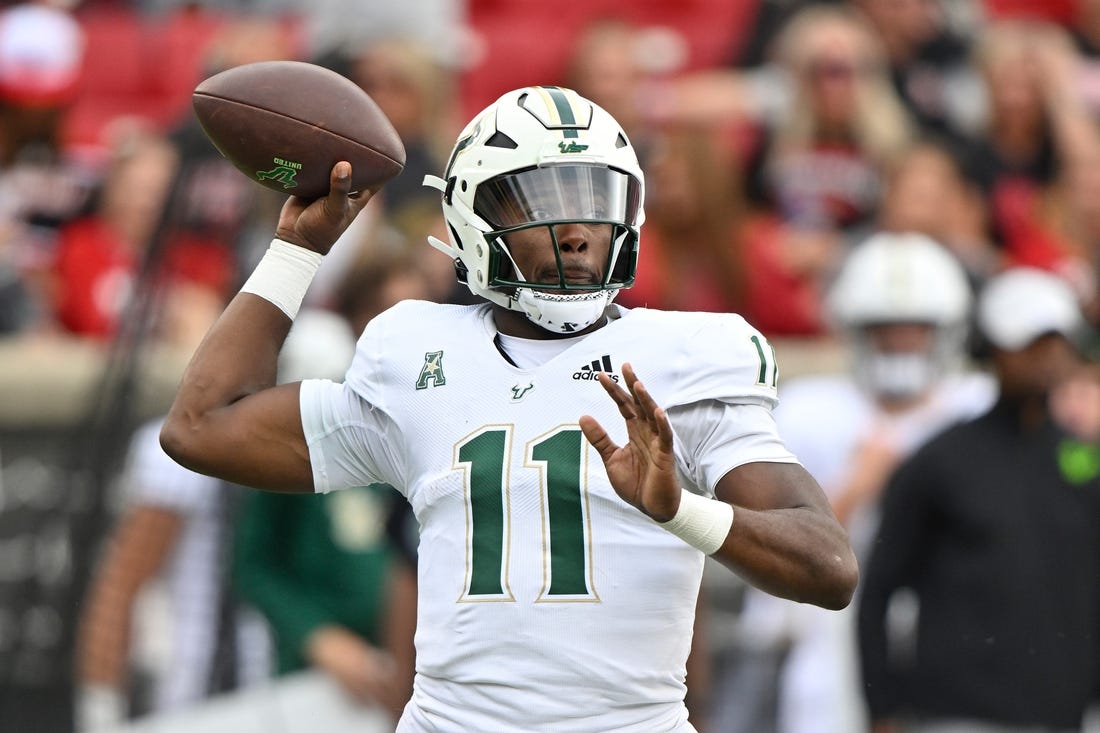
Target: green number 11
[769,371]
[559,456]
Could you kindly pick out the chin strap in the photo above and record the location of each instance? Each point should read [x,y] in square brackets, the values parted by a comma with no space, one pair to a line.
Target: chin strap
[563,313]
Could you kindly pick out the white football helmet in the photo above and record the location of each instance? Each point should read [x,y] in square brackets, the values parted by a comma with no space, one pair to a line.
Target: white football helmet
[901,278]
[537,157]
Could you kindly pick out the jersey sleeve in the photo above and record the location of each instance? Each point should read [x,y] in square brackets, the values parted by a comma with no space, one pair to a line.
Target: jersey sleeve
[351,442]
[715,437]
[716,377]
[721,357]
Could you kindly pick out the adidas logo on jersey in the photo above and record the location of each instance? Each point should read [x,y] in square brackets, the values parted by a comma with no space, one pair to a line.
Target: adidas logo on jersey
[588,372]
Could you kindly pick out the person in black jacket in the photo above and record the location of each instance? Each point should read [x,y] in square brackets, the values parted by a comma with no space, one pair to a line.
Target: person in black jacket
[996,534]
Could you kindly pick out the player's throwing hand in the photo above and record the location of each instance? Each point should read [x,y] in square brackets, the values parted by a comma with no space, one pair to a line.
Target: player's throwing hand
[317,224]
[642,471]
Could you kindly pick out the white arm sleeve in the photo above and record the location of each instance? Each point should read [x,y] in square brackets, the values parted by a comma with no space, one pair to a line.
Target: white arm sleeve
[715,437]
[351,443]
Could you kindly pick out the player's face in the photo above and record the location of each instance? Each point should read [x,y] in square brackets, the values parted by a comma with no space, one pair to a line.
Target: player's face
[558,212]
[584,248]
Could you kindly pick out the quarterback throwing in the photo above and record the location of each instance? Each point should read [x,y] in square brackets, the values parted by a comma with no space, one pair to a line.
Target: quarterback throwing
[570,462]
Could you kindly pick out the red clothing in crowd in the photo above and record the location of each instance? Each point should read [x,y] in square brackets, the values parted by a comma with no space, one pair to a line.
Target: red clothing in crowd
[689,286]
[777,301]
[95,273]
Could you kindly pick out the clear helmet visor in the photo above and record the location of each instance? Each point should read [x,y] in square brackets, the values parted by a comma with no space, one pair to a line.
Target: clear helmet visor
[558,193]
[605,199]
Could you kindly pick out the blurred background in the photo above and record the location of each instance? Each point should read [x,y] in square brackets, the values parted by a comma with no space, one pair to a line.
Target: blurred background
[777,136]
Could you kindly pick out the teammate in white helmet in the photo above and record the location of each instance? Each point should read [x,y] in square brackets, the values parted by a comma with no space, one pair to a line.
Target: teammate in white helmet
[902,303]
[564,520]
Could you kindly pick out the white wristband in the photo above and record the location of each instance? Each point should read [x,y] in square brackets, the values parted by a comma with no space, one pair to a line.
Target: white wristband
[701,522]
[284,275]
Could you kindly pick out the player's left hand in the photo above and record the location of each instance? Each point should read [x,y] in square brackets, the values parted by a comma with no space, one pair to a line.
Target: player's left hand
[642,472]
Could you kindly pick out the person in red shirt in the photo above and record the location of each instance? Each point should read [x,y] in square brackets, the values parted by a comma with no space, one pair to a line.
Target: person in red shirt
[99,257]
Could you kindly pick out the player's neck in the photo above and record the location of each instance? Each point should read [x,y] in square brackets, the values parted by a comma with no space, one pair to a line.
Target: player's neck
[513,323]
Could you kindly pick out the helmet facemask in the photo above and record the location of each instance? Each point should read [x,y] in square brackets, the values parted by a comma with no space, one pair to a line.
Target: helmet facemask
[599,199]
[903,375]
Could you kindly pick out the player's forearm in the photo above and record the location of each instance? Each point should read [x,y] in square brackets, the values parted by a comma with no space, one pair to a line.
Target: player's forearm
[792,553]
[228,419]
[237,357]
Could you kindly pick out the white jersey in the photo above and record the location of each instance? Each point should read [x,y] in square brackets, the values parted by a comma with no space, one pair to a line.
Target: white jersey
[546,602]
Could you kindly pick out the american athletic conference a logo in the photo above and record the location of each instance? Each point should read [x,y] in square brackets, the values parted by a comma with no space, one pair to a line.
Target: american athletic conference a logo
[431,374]
[589,372]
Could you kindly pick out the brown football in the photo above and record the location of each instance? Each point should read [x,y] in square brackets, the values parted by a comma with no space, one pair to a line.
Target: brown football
[284,124]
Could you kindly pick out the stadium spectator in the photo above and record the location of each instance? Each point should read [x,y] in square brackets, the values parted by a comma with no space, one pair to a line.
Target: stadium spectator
[691,256]
[830,125]
[540,566]
[928,192]
[821,163]
[612,59]
[928,62]
[827,115]
[416,91]
[995,534]
[42,185]
[1036,122]
[102,258]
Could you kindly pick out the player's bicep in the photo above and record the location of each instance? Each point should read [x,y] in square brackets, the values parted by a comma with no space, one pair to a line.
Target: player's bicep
[256,441]
[736,449]
[765,486]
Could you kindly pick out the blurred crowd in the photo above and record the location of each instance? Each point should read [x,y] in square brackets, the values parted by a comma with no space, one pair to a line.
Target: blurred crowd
[779,137]
[776,136]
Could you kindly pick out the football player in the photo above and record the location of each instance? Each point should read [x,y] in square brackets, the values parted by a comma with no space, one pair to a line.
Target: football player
[901,302]
[563,522]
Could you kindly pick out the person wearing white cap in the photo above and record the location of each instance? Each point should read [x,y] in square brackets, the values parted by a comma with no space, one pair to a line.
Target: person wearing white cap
[999,543]
[1022,304]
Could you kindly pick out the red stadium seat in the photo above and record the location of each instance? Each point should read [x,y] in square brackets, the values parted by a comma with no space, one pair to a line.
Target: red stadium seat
[529,41]
[136,67]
